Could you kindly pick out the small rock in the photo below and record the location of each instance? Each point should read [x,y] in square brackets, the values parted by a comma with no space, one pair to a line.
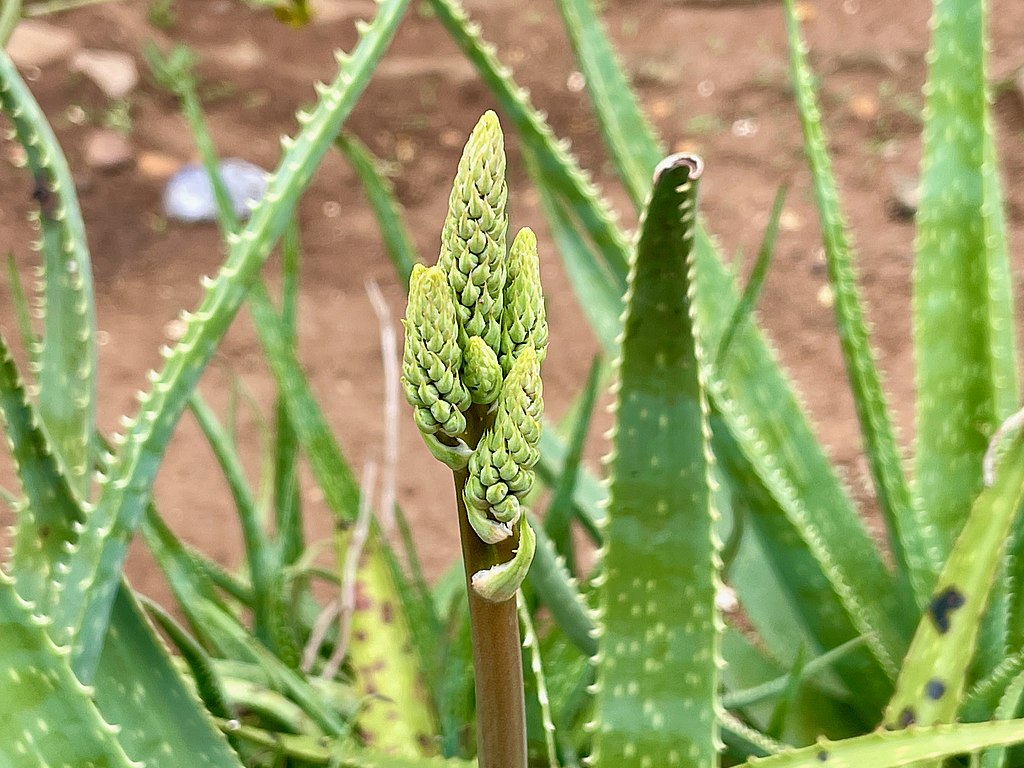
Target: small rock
[330,11]
[864,107]
[242,55]
[107,150]
[906,197]
[157,165]
[114,72]
[188,195]
[36,44]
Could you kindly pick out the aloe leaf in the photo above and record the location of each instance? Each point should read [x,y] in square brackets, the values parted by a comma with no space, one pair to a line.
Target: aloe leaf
[537,688]
[907,537]
[785,588]
[287,499]
[46,524]
[892,749]
[341,490]
[745,307]
[658,632]
[396,717]
[773,435]
[96,565]
[627,134]
[67,356]
[314,751]
[48,715]
[386,209]
[981,701]
[282,677]
[138,688]
[551,158]
[560,510]
[1007,709]
[208,684]
[257,546]
[557,589]
[341,494]
[934,674]
[965,350]
[29,340]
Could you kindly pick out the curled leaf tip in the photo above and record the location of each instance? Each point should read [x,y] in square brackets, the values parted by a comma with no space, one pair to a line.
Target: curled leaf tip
[432,356]
[500,582]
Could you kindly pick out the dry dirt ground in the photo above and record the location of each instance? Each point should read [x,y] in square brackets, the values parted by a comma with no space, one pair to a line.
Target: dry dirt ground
[713,76]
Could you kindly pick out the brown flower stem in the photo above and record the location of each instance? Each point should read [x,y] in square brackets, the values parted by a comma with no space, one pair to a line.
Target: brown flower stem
[497,649]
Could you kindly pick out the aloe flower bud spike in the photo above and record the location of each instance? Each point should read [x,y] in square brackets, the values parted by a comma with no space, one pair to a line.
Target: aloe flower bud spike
[523,321]
[481,371]
[473,237]
[500,582]
[431,362]
[501,467]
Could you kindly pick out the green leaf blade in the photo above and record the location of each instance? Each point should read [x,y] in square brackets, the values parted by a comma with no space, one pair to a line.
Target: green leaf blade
[67,357]
[962,310]
[659,632]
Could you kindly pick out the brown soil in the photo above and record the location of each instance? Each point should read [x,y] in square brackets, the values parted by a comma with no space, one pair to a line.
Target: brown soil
[713,76]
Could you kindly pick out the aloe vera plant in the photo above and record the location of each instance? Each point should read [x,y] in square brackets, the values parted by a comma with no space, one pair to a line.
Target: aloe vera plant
[715,481]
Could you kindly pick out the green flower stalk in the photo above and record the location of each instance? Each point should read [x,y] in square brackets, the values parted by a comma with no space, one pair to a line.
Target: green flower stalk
[475,337]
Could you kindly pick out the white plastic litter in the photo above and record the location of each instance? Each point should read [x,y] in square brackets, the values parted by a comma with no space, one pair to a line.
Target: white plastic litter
[188,195]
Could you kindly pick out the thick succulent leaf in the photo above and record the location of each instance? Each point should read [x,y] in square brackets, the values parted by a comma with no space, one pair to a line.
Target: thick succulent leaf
[396,717]
[628,136]
[48,717]
[19,302]
[855,568]
[138,688]
[785,591]
[319,751]
[386,209]
[762,414]
[67,358]
[906,539]
[560,510]
[964,341]
[46,522]
[934,674]
[1009,704]
[892,749]
[282,677]
[658,631]
[537,690]
[983,698]
[341,494]
[258,556]
[557,589]
[744,310]
[96,565]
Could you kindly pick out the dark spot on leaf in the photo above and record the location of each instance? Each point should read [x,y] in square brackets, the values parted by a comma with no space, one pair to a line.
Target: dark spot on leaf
[44,531]
[942,605]
[935,689]
[387,612]
[822,756]
[41,194]
[907,717]
[359,635]
[424,741]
